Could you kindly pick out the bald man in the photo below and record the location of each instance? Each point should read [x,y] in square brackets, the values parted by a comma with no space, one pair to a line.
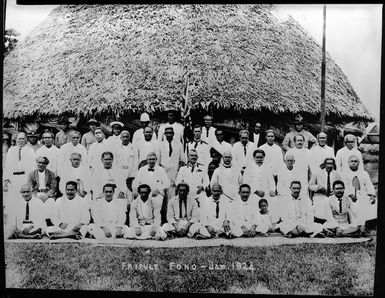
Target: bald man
[25,218]
[342,156]
[319,152]
[228,175]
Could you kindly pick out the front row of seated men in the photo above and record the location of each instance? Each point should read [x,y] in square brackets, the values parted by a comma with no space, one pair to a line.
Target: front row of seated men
[217,215]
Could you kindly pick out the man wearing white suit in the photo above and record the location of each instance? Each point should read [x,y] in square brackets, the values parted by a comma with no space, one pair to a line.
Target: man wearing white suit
[195,175]
[242,151]
[145,218]
[244,216]
[182,214]
[297,216]
[109,217]
[228,175]
[215,215]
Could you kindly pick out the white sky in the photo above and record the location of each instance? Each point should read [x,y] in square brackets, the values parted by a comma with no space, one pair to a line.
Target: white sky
[353,38]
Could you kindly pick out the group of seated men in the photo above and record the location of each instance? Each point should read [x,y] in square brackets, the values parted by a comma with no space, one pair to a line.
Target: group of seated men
[159,188]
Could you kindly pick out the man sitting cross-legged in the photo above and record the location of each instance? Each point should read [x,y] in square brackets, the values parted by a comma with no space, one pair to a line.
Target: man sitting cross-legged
[297,215]
[69,215]
[341,219]
[145,217]
[214,215]
[109,217]
[25,219]
[182,214]
[245,218]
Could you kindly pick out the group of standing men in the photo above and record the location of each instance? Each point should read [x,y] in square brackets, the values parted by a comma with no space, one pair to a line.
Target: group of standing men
[157,187]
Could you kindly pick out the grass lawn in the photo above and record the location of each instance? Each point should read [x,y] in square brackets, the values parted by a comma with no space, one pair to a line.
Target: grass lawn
[313,269]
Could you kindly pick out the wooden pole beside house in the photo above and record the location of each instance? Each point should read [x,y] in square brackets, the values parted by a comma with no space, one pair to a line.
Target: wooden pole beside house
[323,72]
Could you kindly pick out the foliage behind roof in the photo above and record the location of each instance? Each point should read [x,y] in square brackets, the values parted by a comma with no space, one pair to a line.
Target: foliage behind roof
[89,59]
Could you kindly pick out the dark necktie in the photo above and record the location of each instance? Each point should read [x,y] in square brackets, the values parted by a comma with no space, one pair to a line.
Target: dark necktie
[27,211]
[151,170]
[227,167]
[217,208]
[196,144]
[181,207]
[170,149]
[20,153]
[244,148]
[328,191]
[340,201]
[207,133]
[192,169]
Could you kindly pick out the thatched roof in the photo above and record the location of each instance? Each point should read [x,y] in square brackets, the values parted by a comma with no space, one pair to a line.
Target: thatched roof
[114,58]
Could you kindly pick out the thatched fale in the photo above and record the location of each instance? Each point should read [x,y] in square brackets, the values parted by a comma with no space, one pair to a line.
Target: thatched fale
[115,58]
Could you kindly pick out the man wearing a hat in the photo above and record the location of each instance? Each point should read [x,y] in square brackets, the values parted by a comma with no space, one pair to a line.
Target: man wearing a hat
[139,133]
[64,134]
[33,141]
[288,141]
[89,137]
[114,140]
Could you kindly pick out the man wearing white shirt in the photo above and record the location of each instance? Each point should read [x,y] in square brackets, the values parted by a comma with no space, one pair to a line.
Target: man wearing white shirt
[125,157]
[297,216]
[341,218]
[342,156]
[110,173]
[182,214]
[67,149]
[156,177]
[94,157]
[171,156]
[178,128]
[49,151]
[245,218]
[319,152]
[219,144]
[227,175]
[24,219]
[81,175]
[109,218]
[360,189]
[143,147]
[242,151]
[215,215]
[145,218]
[208,131]
[202,148]
[321,184]
[19,163]
[139,133]
[302,162]
[114,139]
[259,177]
[195,175]
[274,153]
[69,216]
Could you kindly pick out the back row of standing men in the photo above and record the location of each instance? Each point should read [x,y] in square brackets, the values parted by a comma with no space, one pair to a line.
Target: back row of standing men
[264,168]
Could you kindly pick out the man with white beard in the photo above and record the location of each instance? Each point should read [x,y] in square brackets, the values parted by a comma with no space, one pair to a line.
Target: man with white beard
[227,175]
